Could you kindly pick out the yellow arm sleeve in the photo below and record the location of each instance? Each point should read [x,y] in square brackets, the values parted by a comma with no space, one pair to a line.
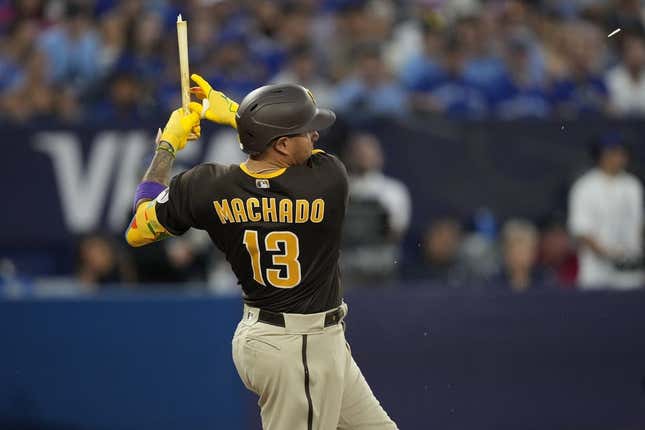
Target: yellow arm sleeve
[145,228]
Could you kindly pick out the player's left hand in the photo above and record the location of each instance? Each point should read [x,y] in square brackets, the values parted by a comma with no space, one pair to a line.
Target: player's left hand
[216,106]
[180,128]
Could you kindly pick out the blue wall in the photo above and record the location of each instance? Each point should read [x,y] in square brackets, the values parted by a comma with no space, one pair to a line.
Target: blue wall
[481,361]
[120,364]
[456,361]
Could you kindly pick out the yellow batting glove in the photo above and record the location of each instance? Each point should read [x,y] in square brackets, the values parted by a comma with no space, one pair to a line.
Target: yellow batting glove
[216,106]
[180,127]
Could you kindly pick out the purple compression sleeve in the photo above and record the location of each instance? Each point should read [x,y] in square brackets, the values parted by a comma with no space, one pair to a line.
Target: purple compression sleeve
[147,191]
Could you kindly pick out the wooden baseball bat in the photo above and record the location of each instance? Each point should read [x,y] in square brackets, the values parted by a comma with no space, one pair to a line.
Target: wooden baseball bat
[182,41]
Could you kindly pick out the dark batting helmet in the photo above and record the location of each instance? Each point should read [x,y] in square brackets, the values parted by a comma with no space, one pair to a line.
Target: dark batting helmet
[278,110]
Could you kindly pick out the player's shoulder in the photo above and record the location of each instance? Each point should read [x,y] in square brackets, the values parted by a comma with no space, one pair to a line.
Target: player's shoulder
[200,177]
[332,168]
[320,158]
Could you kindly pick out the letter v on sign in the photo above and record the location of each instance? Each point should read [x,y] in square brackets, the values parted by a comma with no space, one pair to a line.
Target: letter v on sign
[82,190]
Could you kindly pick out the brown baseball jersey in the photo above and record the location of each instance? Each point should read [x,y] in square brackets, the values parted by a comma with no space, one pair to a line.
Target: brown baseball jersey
[280,231]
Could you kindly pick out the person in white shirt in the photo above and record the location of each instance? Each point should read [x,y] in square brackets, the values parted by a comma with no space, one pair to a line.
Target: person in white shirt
[606,218]
[626,81]
[378,215]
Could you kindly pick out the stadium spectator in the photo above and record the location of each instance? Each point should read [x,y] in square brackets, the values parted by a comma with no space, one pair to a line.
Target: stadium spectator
[180,260]
[267,16]
[31,98]
[145,56]
[626,81]
[371,90]
[557,255]
[304,70]
[231,66]
[71,47]
[354,25]
[100,262]
[520,249]
[124,102]
[449,92]
[25,10]
[582,91]
[485,66]
[113,43]
[378,215]
[552,35]
[441,260]
[522,19]
[516,93]
[423,69]
[68,108]
[15,49]
[200,34]
[273,29]
[406,39]
[294,27]
[189,257]
[606,218]
[479,249]
[245,44]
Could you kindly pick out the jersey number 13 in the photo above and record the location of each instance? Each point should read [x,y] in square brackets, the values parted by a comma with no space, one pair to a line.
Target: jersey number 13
[288,258]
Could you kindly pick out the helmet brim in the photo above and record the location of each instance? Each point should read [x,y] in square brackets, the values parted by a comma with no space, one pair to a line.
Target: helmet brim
[322,119]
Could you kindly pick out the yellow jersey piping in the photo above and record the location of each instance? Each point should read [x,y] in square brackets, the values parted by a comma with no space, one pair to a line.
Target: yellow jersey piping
[262,175]
[271,174]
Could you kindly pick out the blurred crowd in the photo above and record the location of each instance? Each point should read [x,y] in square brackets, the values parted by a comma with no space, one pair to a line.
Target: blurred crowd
[596,244]
[109,60]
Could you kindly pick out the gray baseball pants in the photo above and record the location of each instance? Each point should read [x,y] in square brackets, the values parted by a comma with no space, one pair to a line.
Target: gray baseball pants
[304,375]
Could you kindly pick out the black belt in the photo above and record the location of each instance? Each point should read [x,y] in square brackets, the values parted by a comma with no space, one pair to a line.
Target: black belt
[275,318]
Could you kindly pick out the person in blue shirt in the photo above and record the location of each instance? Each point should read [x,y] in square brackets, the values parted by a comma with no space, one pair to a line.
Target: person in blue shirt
[371,90]
[582,92]
[424,69]
[236,70]
[450,93]
[484,67]
[517,95]
[580,95]
[71,49]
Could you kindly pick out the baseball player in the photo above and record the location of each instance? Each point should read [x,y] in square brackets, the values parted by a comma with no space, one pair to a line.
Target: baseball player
[278,218]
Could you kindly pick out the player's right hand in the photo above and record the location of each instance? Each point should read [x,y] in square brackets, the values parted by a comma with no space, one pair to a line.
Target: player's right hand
[216,106]
[180,127]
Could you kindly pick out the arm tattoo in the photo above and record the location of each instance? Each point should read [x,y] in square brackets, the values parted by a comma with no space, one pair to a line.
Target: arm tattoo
[160,167]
